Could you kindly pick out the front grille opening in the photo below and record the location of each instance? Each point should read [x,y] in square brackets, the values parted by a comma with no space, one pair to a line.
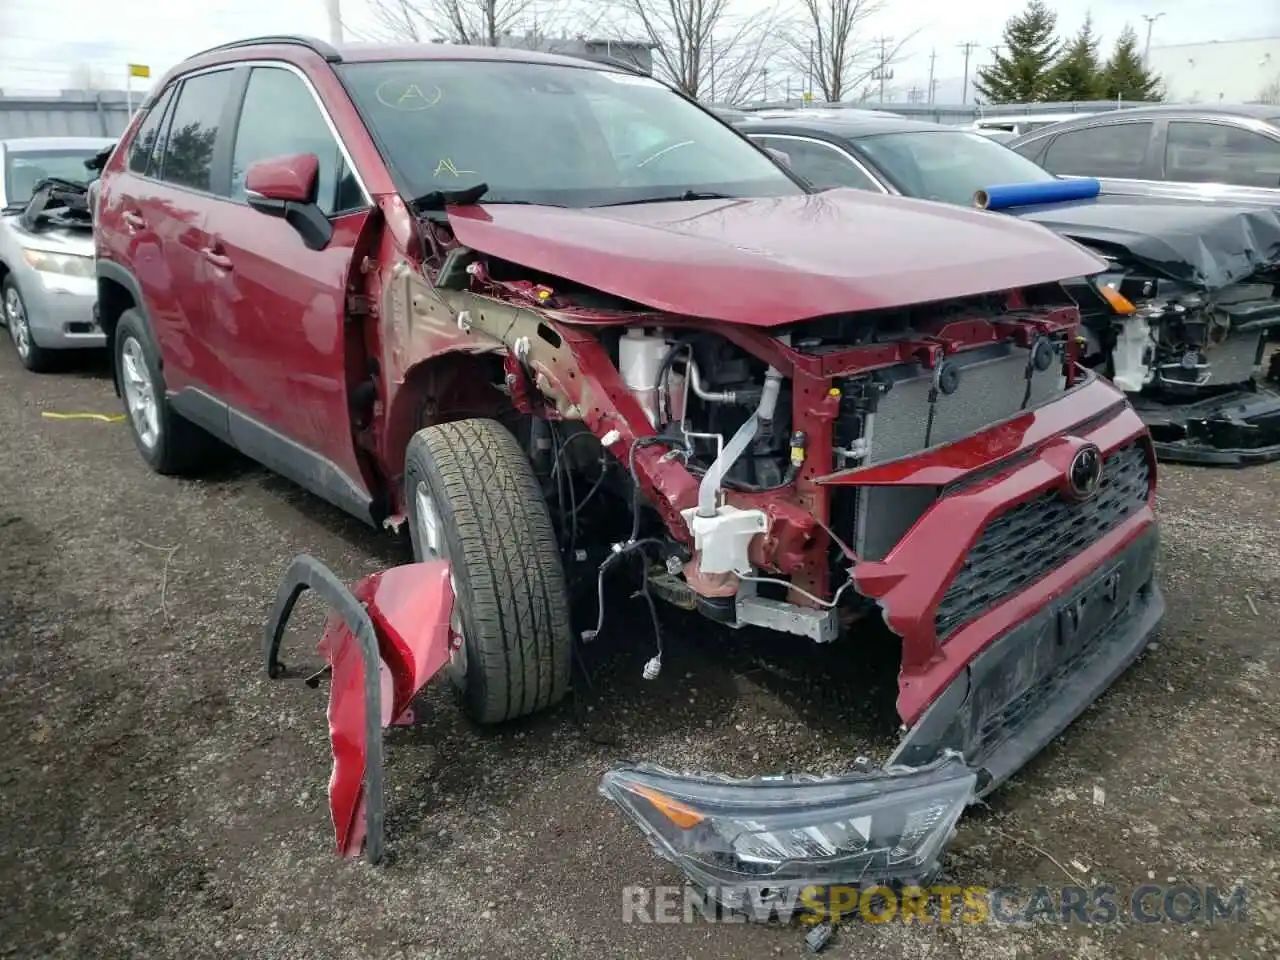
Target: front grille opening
[1029,541]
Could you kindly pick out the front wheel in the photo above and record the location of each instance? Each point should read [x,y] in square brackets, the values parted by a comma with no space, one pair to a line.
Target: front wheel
[33,356]
[167,441]
[473,499]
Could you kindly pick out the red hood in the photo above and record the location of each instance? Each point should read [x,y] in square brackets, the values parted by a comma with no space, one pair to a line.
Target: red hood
[774,261]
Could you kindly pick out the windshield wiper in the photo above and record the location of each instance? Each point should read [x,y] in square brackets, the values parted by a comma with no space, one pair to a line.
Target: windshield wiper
[522,203]
[432,205]
[673,198]
[435,201]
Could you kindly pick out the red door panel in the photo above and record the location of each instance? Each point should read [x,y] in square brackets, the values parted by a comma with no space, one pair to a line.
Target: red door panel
[172,285]
[276,313]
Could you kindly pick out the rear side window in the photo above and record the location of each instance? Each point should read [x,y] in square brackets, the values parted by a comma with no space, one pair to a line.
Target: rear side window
[1219,153]
[822,164]
[188,151]
[1112,150]
[143,148]
[280,116]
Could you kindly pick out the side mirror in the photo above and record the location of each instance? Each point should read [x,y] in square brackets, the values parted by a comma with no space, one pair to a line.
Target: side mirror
[782,157]
[285,187]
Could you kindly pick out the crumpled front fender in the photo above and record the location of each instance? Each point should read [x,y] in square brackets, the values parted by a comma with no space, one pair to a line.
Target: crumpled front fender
[383,641]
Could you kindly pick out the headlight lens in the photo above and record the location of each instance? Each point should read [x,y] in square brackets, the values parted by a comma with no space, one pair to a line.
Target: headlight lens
[772,832]
[67,264]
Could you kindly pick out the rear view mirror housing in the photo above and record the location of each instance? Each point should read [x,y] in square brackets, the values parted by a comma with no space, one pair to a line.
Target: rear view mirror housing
[285,187]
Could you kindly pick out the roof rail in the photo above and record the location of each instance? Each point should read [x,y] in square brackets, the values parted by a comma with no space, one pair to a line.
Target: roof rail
[328,51]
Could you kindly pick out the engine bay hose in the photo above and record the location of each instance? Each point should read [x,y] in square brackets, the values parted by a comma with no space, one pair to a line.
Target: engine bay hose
[712,481]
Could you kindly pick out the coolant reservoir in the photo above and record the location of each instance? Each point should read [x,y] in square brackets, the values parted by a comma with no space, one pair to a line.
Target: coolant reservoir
[1130,356]
[640,356]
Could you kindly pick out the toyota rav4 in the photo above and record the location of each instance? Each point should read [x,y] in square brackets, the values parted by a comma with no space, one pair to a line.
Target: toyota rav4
[550,314]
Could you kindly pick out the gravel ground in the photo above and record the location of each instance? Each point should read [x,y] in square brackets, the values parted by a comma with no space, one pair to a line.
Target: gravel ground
[162,798]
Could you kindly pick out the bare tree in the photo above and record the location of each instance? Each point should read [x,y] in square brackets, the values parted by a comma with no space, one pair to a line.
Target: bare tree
[1270,92]
[828,43]
[479,22]
[704,47]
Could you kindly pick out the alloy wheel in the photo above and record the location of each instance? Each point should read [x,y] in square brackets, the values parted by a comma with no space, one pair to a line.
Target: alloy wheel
[15,312]
[434,546]
[139,393]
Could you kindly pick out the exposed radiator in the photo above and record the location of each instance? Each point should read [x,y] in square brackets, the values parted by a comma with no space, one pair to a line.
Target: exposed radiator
[991,388]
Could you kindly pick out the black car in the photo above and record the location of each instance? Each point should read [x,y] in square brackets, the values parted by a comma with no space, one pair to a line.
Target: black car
[1180,319]
[1209,152]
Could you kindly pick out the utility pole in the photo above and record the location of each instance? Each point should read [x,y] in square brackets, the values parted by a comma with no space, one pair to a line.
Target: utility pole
[882,72]
[933,56]
[914,94]
[335,20]
[1151,19]
[968,47]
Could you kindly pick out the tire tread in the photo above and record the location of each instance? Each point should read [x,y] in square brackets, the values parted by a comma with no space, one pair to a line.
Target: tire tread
[517,603]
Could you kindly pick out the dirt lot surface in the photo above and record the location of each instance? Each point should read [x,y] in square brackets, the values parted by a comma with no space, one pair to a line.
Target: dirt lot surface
[161,798]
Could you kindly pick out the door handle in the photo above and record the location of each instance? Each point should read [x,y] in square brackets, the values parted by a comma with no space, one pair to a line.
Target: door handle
[219,260]
[133,220]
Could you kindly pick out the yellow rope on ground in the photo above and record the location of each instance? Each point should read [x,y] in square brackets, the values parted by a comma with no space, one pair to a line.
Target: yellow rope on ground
[104,417]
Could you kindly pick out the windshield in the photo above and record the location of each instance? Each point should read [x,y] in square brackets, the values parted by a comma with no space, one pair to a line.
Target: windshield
[25,168]
[947,166]
[548,134]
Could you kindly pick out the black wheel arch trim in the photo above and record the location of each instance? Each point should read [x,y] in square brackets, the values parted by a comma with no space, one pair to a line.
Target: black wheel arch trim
[110,270]
[308,573]
[123,276]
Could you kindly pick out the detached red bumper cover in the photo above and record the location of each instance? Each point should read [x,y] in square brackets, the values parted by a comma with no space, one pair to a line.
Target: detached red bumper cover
[383,642]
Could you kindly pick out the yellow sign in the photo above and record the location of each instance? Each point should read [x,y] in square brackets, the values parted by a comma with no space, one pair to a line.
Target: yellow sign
[808,96]
[139,70]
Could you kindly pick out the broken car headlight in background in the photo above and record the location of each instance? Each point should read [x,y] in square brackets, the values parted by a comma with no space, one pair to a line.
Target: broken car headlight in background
[772,834]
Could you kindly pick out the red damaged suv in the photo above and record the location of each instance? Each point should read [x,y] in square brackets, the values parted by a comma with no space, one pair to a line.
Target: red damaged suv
[555,316]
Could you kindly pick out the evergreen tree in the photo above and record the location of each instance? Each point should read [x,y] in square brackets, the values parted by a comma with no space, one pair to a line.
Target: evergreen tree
[1126,77]
[1026,73]
[1079,74]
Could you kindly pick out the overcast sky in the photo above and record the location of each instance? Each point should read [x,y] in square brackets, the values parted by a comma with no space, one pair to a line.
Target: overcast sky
[43,41]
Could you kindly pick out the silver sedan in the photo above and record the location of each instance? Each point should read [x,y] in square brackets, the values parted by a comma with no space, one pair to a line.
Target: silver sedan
[46,269]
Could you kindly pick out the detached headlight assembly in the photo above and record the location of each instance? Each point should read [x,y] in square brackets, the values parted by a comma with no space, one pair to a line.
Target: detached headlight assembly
[772,833]
[66,264]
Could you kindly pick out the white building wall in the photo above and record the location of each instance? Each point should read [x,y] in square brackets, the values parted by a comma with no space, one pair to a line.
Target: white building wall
[1230,71]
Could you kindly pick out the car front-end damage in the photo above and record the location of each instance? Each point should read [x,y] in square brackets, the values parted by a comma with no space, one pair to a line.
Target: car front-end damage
[1182,319]
[804,450]
[1050,597]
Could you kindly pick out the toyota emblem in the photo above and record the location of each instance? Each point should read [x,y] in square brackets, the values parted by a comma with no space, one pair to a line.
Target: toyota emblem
[1085,473]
